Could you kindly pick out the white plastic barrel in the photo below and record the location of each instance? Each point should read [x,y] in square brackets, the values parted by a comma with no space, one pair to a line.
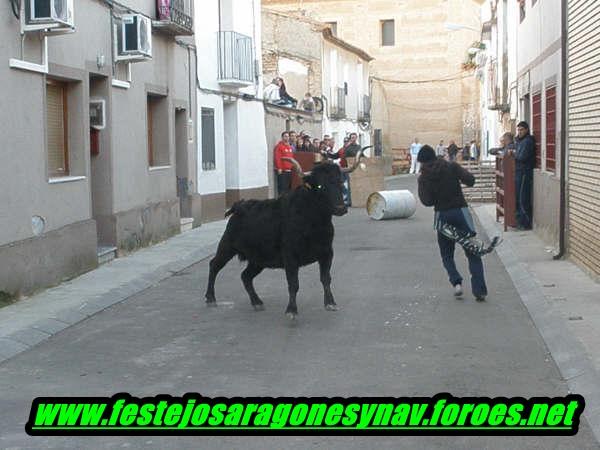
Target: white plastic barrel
[391,205]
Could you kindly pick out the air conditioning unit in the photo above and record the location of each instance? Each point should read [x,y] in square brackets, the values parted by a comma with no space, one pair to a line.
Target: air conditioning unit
[52,15]
[133,38]
[97,113]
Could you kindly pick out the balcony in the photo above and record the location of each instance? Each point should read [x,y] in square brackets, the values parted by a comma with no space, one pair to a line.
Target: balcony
[236,59]
[364,109]
[337,109]
[174,17]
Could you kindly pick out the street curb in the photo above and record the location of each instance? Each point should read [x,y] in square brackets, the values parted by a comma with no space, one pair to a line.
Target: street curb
[43,328]
[568,352]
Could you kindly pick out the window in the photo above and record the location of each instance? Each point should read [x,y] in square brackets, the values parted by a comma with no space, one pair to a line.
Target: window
[537,128]
[388,37]
[158,131]
[57,129]
[208,139]
[551,129]
[333,26]
[378,142]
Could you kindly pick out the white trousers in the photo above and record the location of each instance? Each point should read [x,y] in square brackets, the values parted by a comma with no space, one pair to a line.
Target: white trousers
[415,166]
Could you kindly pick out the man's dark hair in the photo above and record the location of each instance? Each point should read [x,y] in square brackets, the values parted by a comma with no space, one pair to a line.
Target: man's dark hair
[426,154]
[523,124]
[284,133]
[353,134]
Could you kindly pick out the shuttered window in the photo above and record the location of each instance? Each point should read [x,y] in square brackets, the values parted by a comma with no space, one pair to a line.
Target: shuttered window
[551,129]
[378,142]
[537,128]
[208,139]
[388,37]
[56,129]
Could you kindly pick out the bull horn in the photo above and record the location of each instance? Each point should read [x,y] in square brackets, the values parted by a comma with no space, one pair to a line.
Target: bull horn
[297,167]
[357,159]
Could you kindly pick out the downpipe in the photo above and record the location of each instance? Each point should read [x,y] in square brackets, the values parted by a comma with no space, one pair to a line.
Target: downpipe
[563,137]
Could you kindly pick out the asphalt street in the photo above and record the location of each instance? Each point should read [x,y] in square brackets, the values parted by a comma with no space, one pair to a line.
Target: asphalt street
[399,332]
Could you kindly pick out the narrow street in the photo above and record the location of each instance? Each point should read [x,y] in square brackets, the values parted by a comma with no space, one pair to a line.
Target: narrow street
[399,332]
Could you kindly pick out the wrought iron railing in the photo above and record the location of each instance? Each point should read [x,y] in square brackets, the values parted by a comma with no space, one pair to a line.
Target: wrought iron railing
[364,108]
[178,12]
[337,109]
[236,57]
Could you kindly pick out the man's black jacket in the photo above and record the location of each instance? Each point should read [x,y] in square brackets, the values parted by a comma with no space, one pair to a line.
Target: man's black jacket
[440,184]
[525,153]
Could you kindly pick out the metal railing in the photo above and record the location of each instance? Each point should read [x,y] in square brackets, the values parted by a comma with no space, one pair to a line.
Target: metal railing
[364,109]
[337,109]
[236,57]
[176,12]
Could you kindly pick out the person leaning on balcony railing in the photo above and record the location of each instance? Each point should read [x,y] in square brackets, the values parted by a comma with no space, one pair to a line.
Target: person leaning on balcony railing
[308,104]
[283,94]
[271,92]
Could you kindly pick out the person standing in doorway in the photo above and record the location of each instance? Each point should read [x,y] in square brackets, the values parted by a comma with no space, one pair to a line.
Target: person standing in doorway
[414,152]
[440,186]
[284,168]
[524,165]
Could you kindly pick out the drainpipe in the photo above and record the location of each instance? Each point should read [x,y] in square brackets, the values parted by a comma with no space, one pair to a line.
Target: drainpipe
[563,134]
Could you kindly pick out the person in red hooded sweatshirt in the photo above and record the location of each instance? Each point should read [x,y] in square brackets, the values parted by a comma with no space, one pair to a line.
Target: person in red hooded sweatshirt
[284,168]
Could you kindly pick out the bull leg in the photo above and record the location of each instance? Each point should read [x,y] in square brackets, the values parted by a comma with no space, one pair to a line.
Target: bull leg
[325,270]
[293,286]
[223,256]
[247,276]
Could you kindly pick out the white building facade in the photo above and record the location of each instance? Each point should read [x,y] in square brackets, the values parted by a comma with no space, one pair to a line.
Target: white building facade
[346,90]
[232,148]
[522,79]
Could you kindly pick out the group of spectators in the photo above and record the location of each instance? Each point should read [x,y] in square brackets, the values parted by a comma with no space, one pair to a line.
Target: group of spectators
[276,93]
[292,142]
[469,152]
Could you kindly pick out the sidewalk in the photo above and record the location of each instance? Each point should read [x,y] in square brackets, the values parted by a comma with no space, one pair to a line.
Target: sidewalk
[564,303]
[34,319]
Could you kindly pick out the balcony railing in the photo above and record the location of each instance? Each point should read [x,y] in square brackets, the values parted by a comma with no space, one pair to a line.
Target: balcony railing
[364,108]
[175,17]
[337,109]
[236,59]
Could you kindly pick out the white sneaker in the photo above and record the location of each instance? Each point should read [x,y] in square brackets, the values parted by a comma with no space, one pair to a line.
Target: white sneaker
[458,292]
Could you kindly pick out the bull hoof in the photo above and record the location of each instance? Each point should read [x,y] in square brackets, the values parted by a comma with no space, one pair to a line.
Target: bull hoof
[292,316]
[211,303]
[260,307]
[331,307]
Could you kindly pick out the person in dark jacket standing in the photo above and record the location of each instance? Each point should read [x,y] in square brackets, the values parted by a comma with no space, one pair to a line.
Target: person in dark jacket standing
[452,151]
[440,187]
[524,164]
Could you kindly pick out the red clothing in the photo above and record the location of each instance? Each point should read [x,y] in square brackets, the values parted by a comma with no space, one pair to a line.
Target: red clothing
[283,150]
[342,156]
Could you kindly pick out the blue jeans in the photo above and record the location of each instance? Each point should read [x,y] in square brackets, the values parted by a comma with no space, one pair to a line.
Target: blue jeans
[347,194]
[462,220]
[523,188]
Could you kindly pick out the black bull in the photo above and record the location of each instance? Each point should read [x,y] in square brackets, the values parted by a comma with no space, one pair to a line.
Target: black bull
[287,233]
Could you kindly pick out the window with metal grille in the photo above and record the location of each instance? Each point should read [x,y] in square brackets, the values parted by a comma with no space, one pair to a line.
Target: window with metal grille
[388,37]
[208,139]
[537,128]
[378,142]
[551,129]
[57,128]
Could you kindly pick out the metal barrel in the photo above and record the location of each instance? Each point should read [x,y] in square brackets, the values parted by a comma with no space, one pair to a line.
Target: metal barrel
[385,205]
